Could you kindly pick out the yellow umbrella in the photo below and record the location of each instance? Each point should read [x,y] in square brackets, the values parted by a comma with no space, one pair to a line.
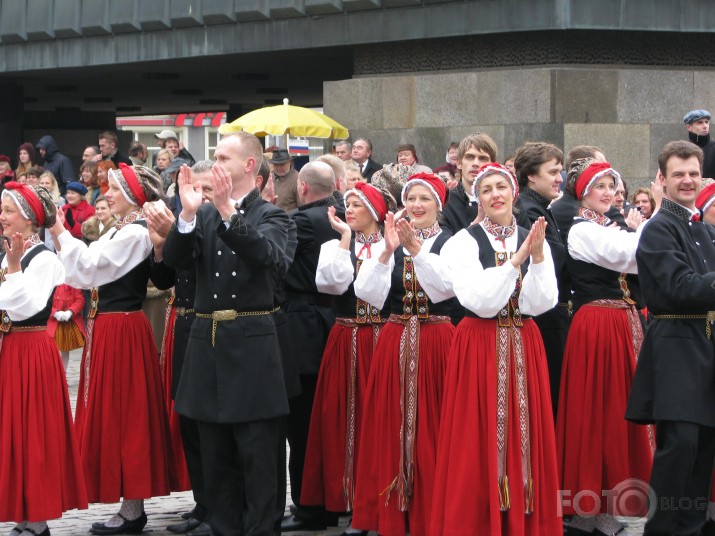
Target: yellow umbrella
[286,119]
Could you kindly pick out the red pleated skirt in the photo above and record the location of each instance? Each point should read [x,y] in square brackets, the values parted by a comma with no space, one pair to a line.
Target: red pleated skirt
[378,464]
[121,421]
[324,471]
[466,491]
[179,474]
[40,466]
[598,448]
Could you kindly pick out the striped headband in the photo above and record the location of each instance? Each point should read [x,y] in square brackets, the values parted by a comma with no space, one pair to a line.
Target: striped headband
[27,201]
[494,168]
[129,184]
[590,176]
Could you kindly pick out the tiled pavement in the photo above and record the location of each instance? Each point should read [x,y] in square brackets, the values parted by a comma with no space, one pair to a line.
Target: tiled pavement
[161,511]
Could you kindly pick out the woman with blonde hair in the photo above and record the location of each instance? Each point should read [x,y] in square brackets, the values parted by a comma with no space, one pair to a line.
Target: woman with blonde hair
[49,183]
[162,160]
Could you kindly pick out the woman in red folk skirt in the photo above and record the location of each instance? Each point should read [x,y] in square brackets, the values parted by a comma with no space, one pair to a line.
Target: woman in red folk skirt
[121,418]
[496,457]
[600,453]
[40,467]
[402,403]
[335,423]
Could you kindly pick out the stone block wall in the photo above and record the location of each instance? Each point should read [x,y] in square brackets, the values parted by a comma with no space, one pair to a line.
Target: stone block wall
[629,112]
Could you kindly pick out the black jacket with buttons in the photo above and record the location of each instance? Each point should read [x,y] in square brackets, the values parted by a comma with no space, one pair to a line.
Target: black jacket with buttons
[239,378]
[310,313]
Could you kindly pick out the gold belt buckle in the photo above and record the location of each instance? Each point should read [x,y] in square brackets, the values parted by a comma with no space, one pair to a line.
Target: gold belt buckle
[180,311]
[226,314]
[710,317]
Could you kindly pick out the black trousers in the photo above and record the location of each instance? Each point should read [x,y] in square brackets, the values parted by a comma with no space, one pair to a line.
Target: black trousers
[240,463]
[682,471]
[301,407]
[554,328]
[281,476]
[192,453]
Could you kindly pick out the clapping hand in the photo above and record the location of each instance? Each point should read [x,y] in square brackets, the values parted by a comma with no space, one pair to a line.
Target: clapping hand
[392,239]
[533,245]
[538,230]
[634,218]
[406,233]
[337,224]
[222,187]
[189,193]
[14,250]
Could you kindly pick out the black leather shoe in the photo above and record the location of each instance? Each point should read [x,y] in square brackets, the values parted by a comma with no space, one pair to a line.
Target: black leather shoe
[573,531]
[45,532]
[135,526]
[293,524]
[182,528]
[204,529]
[190,514]
[354,532]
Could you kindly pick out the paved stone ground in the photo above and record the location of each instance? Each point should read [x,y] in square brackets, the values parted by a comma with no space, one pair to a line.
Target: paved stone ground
[161,511]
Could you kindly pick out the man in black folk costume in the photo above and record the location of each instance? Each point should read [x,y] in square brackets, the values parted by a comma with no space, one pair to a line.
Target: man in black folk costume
[674,384]
[232,380]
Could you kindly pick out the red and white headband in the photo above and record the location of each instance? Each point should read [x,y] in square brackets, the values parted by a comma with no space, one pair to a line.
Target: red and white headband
[371,197]
[591,175]
[27,202]
[129,184]
[432,182]
[494,168]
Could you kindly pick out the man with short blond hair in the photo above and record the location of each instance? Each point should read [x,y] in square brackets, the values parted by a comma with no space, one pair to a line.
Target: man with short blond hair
[232,381]
[339,169]
[108,148]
